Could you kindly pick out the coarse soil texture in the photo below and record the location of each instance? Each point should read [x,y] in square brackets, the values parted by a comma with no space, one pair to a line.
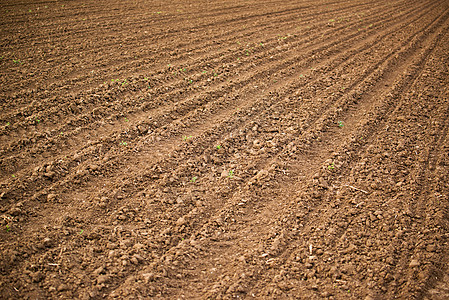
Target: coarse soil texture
[253,149]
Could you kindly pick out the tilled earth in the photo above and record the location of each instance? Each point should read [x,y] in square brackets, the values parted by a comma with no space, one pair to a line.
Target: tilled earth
[224,149]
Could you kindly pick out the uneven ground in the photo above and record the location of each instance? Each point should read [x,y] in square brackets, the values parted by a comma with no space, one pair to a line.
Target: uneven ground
[224,149]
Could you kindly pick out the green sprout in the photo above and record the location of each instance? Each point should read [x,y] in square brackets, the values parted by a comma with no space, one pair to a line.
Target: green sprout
[7,124]
[17,61]
[122,143]
[126,120]
[185,138]
[8,228]
[340,124]
[331,166]
[204,72]
[13,176]
[193,180]
[218,147]
[231,174]
[81,232]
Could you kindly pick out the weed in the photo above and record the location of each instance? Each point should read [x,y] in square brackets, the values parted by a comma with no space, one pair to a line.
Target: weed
[331,166]
[8,228]
[7,124]
[204,72]
[218,147]
[122,143]
[13,176]
[260,44]
[126,120]
[17,61]
[194,178]
[231,174]
[332,20]
[340,124]
[81,232]
[185,138]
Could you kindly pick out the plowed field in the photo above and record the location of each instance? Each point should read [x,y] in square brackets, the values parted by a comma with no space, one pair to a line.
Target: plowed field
[224,149]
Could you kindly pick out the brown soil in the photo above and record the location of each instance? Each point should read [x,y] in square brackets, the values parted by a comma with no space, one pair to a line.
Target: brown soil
[224,149]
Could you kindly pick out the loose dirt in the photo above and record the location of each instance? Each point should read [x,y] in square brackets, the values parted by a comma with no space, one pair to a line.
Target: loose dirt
[224,149]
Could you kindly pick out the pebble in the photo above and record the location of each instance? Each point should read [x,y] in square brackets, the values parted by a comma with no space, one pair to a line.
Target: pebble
[181,221]
[414,263]
[52,197]
[148,277]
[103,279]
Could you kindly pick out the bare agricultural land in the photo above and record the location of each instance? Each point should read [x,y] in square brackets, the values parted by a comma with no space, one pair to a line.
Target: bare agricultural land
[224,149]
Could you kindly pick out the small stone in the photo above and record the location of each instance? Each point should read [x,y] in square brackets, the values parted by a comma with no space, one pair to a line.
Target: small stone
[181,221]
[139,246]
[431,248]
[148,277]
[47,242]
[98,271]
[134,260]
[49,175]
[103,279]
[414,263]
[52,197]
[15,211]
[325,294]
[389,260]
[138,257]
